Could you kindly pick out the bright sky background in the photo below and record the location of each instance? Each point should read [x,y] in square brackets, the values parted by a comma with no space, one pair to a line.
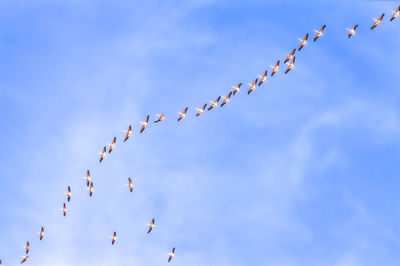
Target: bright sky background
[304,171]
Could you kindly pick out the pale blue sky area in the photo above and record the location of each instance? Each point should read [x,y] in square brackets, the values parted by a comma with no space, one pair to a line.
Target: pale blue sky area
[303,171]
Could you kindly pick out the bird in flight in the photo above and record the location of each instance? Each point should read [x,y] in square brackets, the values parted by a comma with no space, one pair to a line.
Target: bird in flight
[24,258]
[112,145]
[130,184]
[252,86]
[395,14]
[352,31]
[291,65]
[290,56]
[64,209]
[102,154]
[236,88]
[183,114]
[303,42]
[68,193]
[151,226]
[201,110]
[159,118]
[319,32]
[1,264]
[226,99]
[27,247]
[214,104]
[275,68]
[171,255]
[88,179]
[91,189]
[41,234]
[262,78]
[128,133]
[114,237]
[145,123]
[377,21]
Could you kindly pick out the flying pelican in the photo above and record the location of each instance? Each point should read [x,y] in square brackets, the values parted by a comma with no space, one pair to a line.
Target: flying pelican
[352,31]
[236,88]
[262,78]
[68,193]
[41,234]
[112,145]
[183,114]
[114,237]
[252,86]
[102,154]
[88,179]
[291,65]
[130,184]
[226,99]
[91,189]
[151,226]
[25,258]
[64,209]
[171,255]
[275,68]
[395,14]
[319,32]
[27,247]
[159,118]
[377,21]
[201,110]
[214,104]
[145,123]
[303,42]
[290,56]
[128,133]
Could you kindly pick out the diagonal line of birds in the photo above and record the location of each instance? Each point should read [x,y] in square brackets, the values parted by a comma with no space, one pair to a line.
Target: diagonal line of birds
[261,79]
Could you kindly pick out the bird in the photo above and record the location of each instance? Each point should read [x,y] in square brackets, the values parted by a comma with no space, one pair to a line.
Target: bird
[27,247]
[145,123]
[102,154]
[252,86]
[112,145]
[262,78]
[291,65]
[303,42]
[88,179]
[68,193]
[64,209]
[171,255]
[160,117]
[128,133]
[290,56]
[183,114]
[226,99]
[352,31]
[114,237]
[41,234]
[151,226]
[236,88]
[1,264]
[91,189]
[214,104]
[24,258]
[377,21]
[130,184]
[319,32]
[201,110]
[275,68]
[395,14]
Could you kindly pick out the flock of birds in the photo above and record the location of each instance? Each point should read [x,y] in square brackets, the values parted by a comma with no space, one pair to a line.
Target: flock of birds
[289,60]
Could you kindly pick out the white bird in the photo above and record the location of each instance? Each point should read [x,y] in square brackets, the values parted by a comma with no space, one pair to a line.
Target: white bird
[395,14]
[275,68]
[64,209]
[151,226]
[145,123]
[319,32]
[160,117]
[236,88]
[128,133]
[291,65]
[91,189]
[102,154]
[87,177]
[171,255]
[201,110]
[226,99]
[352,31]
[183,114]
[303,42]
[289,56]
[252,86]
[214,104]
[112,145]
[68,193]
[41,234]
[25,258]
[377,21]
[114,238]
[262,78]
[130,184]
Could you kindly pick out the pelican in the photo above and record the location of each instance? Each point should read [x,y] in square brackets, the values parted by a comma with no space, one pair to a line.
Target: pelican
[68,193]
[145,123]
[201,110]
[114,237]
[160,117]
[291,65]
[395,14]
[262,78]
[25,258]
[41,234]
[112,145]
[91,189]
[27,247]
[290,56]
[275,68]
[252,86]
[236,88]
[226,99]
[88,179]
[183,114]
[64,209]
[102,154]
[130,184]
[171,255]
[319,32]
[377,21]
[303,42]
[214,104]
[151,226]
[128,133]
[352,31]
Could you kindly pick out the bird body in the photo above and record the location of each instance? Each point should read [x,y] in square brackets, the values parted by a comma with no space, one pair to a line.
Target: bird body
[41,234]
[291,65]
[183,114]
[151,226]
[352,31]
[91,189]
[275,68]
[130,184]
[114,238]
[236,88]
[262,78]
[226,99]
[252,86]
[201,110]
[64,209]
[102,154]
[145,123]
[319,33]
[290,56]
[171,255]
[68,193]
[24,258]
[395,14]
[27,247]
[88,179]
[128,133]
[214,104]
[159,118]
[112,145]
[377,21]
[303,42]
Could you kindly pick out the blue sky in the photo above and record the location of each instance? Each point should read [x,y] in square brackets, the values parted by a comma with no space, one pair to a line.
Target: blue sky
[304,171]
